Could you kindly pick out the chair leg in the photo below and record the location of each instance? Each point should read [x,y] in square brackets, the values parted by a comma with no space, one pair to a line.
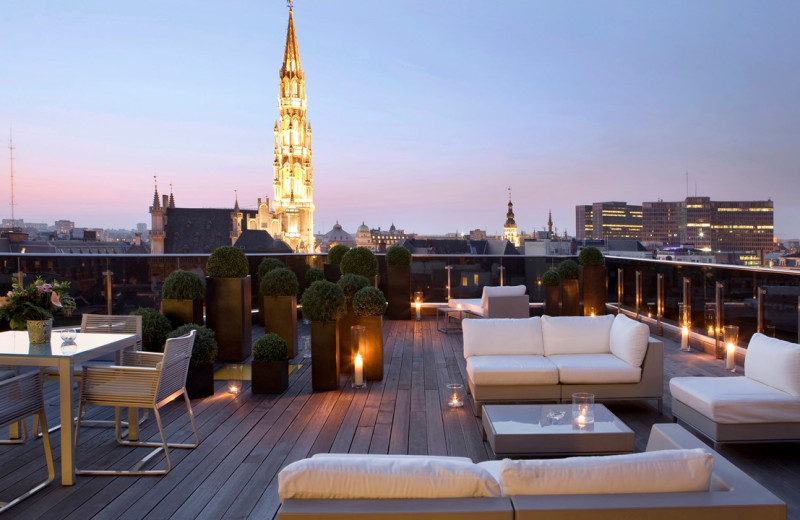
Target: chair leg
[51,469]
[14,435]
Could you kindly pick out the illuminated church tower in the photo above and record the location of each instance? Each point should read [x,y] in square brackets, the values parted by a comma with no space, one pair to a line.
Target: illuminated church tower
[510,227]
[294,179]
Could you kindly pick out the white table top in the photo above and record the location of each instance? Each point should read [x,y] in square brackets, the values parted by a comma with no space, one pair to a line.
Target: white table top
[15,344]
[533,419]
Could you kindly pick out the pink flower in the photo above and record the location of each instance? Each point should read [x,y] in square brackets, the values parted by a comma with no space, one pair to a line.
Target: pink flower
[55,300]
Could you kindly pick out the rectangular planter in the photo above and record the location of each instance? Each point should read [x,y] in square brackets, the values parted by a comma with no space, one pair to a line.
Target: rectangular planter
[269,377]
[200,380]
[594,290]
[324,355]
[228,315]
[183,311]
[345,349]
[373,357]
[570,298]
[280,316]
[398,292]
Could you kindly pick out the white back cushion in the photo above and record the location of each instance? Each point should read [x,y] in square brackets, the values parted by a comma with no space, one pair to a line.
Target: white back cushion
[628,340]
[663,471]
[773,362]
[366,477]
[576,334]
[502,337]
[505,290]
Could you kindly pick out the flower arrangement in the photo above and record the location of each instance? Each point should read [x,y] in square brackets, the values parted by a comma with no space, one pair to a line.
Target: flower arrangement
[36,301]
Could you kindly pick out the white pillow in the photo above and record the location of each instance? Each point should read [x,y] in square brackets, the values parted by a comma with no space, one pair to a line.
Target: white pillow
[774,362]
[503,290]
[502,337]
[628,340]
[366,477]
[664,471]
[576,334]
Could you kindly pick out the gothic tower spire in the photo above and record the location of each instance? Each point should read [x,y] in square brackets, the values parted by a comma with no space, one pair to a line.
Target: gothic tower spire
[510,227]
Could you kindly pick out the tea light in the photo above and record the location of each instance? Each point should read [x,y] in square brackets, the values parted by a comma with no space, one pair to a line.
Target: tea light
[235,378]
[454,399]
[418,306]
[358,366]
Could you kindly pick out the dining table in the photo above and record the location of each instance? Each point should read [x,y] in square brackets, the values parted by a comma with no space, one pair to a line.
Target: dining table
[16,349]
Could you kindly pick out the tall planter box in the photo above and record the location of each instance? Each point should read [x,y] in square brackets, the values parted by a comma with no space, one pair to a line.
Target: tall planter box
[269,377]
[398,292]
[183,311]
[594,290]
[373,357]
[228,307]
[200,380]
[324,355]
[280,316]
[332,272]
[346,353]
[570,297]
[551,300]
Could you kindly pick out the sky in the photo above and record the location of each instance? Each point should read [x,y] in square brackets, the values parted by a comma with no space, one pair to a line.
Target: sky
[424,113]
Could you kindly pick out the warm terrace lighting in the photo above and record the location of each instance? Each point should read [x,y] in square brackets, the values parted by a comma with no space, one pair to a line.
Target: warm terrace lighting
[454,392]
[418,307]
[731,333]
[235,378]
[358,367]
[684,338]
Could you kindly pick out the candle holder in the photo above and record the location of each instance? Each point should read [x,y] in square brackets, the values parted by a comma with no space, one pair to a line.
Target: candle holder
[731,335]
[582,409]
[418,304]
[358,343]
[455,395]
[685,322]
[235,378]
[305,346]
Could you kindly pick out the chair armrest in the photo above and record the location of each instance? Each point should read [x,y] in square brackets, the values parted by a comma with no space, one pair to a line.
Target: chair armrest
[141,359]
[120,385]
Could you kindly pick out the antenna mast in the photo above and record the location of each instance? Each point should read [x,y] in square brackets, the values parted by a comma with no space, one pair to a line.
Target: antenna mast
[11,155]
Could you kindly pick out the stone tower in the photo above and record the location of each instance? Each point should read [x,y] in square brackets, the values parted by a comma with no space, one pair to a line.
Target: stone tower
[510,227]
[294,179]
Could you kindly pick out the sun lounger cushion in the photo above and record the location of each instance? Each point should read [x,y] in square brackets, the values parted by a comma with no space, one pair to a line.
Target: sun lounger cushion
[594,369]
[774,362]
[503,337]
[367,477]
[576,334]
[628,340]
[512,370]
[665,471]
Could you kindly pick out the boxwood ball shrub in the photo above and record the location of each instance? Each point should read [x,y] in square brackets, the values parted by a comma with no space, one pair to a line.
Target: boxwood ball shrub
[155,327]
[205,346]
[359,260]
[323,301]
[590,256]
[551,278]
[398,255]
[227,262]
[336,253]
[369,301]
[313,274]
[267,265]
[183,285]
[279,282]
[270,347]
[569,270]
[351,283]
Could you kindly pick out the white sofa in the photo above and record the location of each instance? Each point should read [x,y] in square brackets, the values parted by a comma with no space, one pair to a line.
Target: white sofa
[550,358]
[677,477]
[508,301]
[762,405]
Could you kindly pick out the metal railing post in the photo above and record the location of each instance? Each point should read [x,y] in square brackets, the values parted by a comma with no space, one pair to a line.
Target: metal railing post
[659,303]
[620,288]
[760,294]
[108,274]
[448,268]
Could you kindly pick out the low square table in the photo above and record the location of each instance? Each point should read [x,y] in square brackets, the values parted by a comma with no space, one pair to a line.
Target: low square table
[531,430]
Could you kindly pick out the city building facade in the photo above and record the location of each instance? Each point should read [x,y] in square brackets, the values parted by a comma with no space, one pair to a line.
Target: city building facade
[608,221]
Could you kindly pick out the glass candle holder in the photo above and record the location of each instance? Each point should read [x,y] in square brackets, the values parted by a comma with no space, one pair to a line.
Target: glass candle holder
[730,333]
[418,304]
[685,323]
[455,395]
[582,409]
[358,346]
[235,378]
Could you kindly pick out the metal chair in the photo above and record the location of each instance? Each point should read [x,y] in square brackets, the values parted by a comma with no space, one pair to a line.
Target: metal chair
[21,397]
[147,380]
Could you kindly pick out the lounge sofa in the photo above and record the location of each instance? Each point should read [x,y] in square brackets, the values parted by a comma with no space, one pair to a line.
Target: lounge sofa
[550,358]
[508,301]
[762,405]
[677,477]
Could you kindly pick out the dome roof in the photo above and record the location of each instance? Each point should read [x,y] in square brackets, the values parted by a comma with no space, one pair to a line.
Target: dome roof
[363,228]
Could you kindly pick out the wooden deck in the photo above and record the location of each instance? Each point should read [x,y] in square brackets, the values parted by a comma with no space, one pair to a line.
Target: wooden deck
[247,439]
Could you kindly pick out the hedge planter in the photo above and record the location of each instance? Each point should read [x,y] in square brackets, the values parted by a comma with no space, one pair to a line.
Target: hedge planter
[200,380]
[398,292]
[270,377]
[570,297]
[324,355]
[346,353]
[280,316]
[228,305]
[373,357]
[181,312]
[332,272]
[594,290]
[551,300]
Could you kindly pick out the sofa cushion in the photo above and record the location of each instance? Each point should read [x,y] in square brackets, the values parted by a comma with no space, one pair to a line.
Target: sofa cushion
[472,305]
[576,334]
[502,337]
[512,370]
[594,369]
[665,471]
[367,477]
[628,340]
[735,400]
[505,290]
[389,456]
[773,362]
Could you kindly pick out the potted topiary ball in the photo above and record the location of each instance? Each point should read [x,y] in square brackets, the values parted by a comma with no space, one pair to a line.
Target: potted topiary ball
[552,283]
[569,272]
[323,304]
[360,260]
[369,305]
[182,297]
[200,379]
[279,300]
[398,283]
[313,274]
[155,327]
[594,281]
[228,302]
[331,267]
[267,264]
[350,284]
[270,367]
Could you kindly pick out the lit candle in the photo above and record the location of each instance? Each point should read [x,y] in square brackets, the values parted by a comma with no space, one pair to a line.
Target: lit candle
[710,330]
[418,305]
[359,370]
[684,338]
[730,360]
[458,306]
[581,420]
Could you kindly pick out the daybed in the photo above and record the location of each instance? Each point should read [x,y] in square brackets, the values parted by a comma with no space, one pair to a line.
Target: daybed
[550,358]
[508,301]
[762,405]
[678,477]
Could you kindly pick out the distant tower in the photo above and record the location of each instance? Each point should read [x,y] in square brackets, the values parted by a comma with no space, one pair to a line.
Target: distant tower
[550,224]
[158,216]
[510,227]
[236,221]
[293,180]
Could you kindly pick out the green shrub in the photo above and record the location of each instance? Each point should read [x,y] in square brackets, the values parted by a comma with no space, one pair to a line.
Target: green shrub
[227,262]
[279,282]
[270,347]
[398,255]
[590,256]
[351,283]
[267,265]
[313,274]
[323,301]
[369,301]
[205,346]
[569,270]
[359,260]
[551,278]
[155,327]
[183,285]
[336,253]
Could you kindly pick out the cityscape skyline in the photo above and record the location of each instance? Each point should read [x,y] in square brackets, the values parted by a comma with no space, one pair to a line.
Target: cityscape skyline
[425,127]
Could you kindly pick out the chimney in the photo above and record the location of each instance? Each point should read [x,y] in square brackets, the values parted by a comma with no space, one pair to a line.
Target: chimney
[165,201]
[137,239]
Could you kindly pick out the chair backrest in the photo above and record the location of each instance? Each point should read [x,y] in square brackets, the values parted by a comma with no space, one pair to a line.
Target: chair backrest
[20,397]
[175,366]
[123,324]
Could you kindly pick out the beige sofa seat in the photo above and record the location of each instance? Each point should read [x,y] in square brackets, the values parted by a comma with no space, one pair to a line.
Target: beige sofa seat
[512,370]
[594,369]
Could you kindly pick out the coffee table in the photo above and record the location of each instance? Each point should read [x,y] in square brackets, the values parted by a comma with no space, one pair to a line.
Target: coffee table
[535,430]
